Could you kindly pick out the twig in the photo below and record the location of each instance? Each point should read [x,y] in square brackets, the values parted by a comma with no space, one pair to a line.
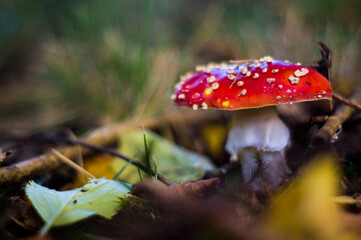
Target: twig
[71,163]
[119,155]
[103,136]
[319,119]
[347,101]
[33,167]
[334,122]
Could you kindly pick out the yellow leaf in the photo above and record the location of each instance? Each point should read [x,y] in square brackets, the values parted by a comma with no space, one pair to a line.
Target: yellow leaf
[100,166]
[215,137]
[306,209]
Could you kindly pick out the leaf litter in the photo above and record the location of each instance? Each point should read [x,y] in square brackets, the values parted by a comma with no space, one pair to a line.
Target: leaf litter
[98,196]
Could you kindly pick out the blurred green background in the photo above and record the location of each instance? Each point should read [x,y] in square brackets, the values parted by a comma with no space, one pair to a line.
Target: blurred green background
[85,63]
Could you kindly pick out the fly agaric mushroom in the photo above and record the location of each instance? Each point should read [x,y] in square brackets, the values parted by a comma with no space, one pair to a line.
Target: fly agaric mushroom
[260,83]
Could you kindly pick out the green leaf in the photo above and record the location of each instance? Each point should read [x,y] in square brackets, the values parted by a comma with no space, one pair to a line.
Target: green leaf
[174,162]
[98,196]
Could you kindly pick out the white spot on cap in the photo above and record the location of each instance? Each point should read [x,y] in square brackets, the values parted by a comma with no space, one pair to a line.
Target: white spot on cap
[230,71]
[196,96]
[264,70]
[278,97]
[248,73]
[244,71]
[288,91]
[211,79]
[243,92]
[215,85]
[256,64]
[186,76]
[270,80]
[181,96]
[240,83]
[268,59]
[256,75]
[204,106]
[319,96]
[323,92]
[293,80]
[298,63]
[305,70]
[275,70]
[173,97]
[200,68]
[195,107]
[302,72]
[280,86]
[231,77]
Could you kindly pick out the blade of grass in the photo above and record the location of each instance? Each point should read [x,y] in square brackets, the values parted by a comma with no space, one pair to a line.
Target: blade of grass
[121,171]
[140,175]
[147,156]
[155,169]
[125,166]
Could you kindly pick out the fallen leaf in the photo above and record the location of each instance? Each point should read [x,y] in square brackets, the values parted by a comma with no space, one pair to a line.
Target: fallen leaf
[306,209]
[100,165]
[215,136]
[98,196]
[199,189]
[173,162]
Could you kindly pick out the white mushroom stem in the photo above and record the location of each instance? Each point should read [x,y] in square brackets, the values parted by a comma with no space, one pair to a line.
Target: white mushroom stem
[259,140]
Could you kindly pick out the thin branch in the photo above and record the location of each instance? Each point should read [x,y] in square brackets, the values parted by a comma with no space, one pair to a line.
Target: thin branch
[103,136]
[334,122]
[119,155]
[347,101]
[319,119]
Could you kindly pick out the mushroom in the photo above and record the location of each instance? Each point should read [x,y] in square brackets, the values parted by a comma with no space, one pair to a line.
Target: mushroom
[254,84]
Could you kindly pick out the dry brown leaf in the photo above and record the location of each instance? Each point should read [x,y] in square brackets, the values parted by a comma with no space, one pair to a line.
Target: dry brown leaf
[198,189]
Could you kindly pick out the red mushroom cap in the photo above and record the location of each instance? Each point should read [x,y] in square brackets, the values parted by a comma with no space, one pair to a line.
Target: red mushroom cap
[260,83]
